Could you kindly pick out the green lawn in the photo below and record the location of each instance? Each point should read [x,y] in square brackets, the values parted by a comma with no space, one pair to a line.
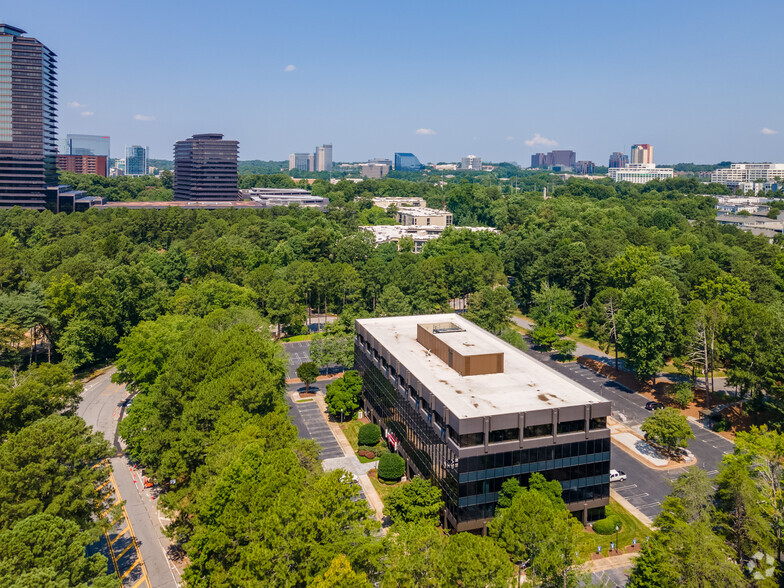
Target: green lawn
[382,489]
[632,529]
[296,338]
[351,431]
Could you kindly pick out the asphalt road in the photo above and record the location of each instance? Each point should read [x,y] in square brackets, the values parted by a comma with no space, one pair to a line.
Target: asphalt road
[311,424]
[101,407]
[298,354]
[645,488]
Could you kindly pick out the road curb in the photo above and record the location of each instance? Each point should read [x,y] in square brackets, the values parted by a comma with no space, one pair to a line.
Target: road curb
[637,514]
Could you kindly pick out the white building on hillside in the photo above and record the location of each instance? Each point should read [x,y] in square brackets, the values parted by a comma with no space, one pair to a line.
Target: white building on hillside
[640,173]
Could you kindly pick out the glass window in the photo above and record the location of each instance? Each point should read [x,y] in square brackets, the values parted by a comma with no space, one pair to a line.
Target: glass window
[471,439]
[504,435]
[538,431]
[571,426]
[599,423]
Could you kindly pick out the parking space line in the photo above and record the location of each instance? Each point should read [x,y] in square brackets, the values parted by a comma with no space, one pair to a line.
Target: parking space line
[128,571]
[120,534]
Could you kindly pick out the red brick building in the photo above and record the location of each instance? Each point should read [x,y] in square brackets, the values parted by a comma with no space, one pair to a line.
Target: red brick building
[83,164]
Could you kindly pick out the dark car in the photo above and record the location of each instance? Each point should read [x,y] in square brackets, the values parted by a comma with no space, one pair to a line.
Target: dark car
[653,405]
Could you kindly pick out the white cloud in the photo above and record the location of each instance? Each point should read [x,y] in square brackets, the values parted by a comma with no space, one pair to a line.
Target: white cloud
[425,132]
[144,117]
[537,139]
[510,138]
[290,68]
[75,104]
[87,113]
[767,131]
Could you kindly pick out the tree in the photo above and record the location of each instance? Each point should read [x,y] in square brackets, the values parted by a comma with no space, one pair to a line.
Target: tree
[340,575]
[565,347]
[669,429]
[35,393]
[514,338]
[393,302]
[647,324]
[416,501]
[53,465]
[369,434]
[509,489]
[307,372]
[604,319]
[491,308]
[475,562]
[553,307]
[683,394]
[633,265]
[343,395]
[391,467]
[413,556]
[545,336]
[45,550]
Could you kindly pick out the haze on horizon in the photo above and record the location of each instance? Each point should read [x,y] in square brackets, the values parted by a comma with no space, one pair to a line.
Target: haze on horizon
[502,80]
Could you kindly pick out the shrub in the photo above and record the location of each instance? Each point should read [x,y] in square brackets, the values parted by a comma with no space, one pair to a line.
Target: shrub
[369,434]
[607,526]
[366,454]
[683,394]
[514,338]
[723,424]
[391,467]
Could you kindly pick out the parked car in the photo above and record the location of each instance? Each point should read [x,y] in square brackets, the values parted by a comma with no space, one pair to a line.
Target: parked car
[617,476]
[653,405]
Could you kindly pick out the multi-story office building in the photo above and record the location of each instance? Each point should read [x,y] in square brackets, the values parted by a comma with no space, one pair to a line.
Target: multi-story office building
[399,201]
[323,158]
[471,162]
[28,121]
[424,217]
[618,159]
[97,145]
[136,160]
[381,161]
[561,160]
[418,234]
[268,197]
[205,168]
[469,411]
[374,170]
[738,174]
[585,168]
[640,173]
[407,162]
[84,164]
[302,161]
[642,153]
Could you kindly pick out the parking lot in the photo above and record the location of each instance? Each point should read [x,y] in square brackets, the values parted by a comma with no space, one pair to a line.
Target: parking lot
[298,354]
[312,424]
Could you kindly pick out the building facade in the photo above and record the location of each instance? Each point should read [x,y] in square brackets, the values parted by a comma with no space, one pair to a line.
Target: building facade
[302,161]
[642,153]
[407,162]
[618,159]
[471,162]
[561,160]
[585,168]
[84,164]
[374,170]
[28,121]
[418,234]
[737,174]
[469,411]
[98,145]
[424,217]
[205,168]
[640,173]
[323,157]
[136,160]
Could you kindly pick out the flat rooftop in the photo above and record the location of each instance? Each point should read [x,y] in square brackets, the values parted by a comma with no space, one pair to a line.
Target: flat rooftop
[525,384]
[423,211]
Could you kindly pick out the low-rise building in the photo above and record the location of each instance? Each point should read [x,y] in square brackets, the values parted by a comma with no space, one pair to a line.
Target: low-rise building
[283,197]
[374,170]
[419,235]
[387,201]
[83,164]
[747,172]
[468,411]
[424,217]
[640,173]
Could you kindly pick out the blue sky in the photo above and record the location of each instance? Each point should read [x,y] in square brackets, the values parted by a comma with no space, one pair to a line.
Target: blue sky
[699,80]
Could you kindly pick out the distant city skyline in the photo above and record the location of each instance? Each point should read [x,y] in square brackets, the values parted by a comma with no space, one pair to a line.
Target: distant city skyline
[260,89]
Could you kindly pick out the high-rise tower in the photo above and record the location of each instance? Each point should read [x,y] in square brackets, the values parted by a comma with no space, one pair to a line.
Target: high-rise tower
[642,153]
[205,168]
[28,119]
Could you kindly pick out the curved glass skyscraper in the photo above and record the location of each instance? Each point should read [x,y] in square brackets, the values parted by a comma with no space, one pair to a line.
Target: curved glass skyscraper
[407,162]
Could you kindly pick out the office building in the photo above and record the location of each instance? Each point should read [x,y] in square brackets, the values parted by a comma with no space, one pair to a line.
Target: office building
[424,217]
[407,162]
[468,411]
[97,145]
[419,235]
[585,168]
[561,160]
[399,201]
[374,170]
[28,121]
[618,159]
[136,160]
[84,164]
[642,153]
[471,162]
[323,158]
[302,161]
[205,168]
[381,161]
[640,173]
[267,197]
[738,176]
